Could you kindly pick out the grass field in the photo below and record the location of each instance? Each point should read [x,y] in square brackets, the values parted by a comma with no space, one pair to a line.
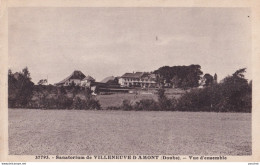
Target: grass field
[72,132]
[117,98]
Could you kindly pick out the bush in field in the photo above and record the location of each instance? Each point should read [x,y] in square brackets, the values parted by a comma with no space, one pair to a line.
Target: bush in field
[233,94]
[60,100]
[195,100]
[87,93]
[126,105]
[78,103]
[113,107]
[146,104]
[87,104]
[164,103]
[93,104]
[52,97]
[52,103]
[63,102]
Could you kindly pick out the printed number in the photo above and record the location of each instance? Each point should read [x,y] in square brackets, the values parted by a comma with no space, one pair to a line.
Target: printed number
[41,157]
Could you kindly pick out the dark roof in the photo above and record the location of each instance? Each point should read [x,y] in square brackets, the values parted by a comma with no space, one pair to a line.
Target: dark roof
[89,78]
[148,76]
[133,75]
[75,75]
[107,79]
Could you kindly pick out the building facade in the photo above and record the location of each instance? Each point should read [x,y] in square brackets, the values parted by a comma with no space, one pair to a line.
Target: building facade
[87,81]
[75,78]
[138,79]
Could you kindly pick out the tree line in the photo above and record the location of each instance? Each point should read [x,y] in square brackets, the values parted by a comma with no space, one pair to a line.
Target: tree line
[232,94]
[22,93]
[179,76]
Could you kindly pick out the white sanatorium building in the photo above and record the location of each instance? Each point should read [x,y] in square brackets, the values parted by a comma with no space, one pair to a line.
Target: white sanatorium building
[138,79]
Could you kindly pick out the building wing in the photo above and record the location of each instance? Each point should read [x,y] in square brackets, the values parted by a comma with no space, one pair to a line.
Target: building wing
[75,75]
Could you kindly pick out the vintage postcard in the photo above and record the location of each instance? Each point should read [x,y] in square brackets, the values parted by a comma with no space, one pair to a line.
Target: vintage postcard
[129,80]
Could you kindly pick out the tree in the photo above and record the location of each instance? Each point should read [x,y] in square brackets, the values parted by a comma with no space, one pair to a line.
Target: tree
[233,94]
[240,73]
[26,73]
[62,90]
[180,76]
[163,102]
[42,82]
[20,88]
[234,88]
[12,89]
[159,79]
[208,79]
[165,72]
[215,78]
[176,81]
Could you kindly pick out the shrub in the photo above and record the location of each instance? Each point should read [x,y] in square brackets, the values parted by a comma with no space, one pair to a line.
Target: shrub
[146,104]
[93,104]
[126,105]
[195,100]
[63,102]
[164,103]
[77,103]
[114,107]
[87,104]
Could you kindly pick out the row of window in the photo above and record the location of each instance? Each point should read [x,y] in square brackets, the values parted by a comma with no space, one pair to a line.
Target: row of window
[136,80]
[127,83]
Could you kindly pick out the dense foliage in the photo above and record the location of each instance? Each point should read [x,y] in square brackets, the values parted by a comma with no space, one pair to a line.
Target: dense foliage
[180,76]
[208,79]
[233,94]
[22,93]
[19,88]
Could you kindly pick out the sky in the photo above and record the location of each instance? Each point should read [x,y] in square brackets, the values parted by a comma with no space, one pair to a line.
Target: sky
[101,42]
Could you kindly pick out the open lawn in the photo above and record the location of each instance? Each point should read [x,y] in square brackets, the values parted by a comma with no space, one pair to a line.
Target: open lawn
[116,99]
[74,132]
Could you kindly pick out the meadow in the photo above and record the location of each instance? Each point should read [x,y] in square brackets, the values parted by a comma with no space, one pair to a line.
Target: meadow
[80,132]
[116,99]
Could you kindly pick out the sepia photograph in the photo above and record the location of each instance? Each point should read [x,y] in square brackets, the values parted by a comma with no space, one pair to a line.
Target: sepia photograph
[112,82]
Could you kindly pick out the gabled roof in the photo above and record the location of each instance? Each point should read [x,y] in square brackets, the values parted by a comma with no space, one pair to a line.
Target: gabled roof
[89,78]
[75,75]
[133,75]
[149,76]
[107,79]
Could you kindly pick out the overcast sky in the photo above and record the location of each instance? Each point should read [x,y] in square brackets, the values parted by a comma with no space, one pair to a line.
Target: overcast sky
[103,42]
